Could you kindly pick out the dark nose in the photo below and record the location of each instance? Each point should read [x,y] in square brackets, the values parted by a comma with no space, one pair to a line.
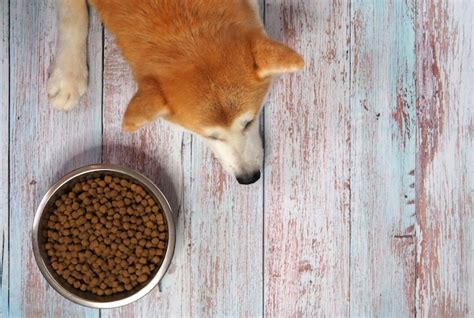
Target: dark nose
[249,178]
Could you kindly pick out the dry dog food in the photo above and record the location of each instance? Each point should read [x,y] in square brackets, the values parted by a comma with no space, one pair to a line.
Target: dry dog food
[106,235]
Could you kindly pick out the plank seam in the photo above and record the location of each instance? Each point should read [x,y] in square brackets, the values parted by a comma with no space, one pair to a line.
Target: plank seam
[416,236]
[350,154]
[263,189]
[9,157]
[102,97]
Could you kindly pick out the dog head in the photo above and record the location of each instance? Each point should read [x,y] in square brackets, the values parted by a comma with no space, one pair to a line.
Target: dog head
[216,91]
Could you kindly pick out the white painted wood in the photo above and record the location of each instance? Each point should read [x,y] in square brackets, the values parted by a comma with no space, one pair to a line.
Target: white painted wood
[307,165]
[44,146]
[328,231]
[445,175]
[382,158]
[4,111]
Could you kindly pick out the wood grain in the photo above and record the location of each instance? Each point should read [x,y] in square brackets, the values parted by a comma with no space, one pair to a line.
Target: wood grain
[445,178]
[366,203]
[382,158]
[156,150]
[307,164]
[44,145]
[4,158]
[217,266]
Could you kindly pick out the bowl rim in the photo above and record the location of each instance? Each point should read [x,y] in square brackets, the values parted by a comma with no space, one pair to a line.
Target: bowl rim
[169,249]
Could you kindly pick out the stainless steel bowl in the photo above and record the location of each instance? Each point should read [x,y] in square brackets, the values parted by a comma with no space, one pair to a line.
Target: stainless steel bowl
[44,210]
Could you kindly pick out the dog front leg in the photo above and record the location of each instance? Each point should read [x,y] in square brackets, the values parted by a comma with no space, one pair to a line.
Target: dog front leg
[68,80]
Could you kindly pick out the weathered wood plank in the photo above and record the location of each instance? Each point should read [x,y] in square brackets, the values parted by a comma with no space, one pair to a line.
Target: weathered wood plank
[4,110]
[44,145]
[220,264]
[307,164]
[156,150]
[222,224]
[382,158]
[445,177]
[212,273]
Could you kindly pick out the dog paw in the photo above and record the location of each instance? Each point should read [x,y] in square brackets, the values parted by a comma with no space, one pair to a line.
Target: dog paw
[66,86]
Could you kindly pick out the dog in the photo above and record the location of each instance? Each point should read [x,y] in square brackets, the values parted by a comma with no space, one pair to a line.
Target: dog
[204,65]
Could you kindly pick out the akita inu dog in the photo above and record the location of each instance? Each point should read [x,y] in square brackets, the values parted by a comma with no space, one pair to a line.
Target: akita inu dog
[205,65]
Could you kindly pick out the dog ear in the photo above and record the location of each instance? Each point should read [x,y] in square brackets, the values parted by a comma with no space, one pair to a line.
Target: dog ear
[272,57]
[146,105]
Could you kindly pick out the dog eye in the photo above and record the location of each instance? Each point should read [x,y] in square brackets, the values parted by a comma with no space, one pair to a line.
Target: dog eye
[248,124]
[214,137]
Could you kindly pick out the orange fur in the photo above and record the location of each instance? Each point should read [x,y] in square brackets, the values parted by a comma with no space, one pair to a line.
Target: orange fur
[198,63]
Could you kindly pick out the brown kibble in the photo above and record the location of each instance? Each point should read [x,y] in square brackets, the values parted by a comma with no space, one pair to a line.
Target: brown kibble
[124,183]
[142,278]
[159,219]
[105,236]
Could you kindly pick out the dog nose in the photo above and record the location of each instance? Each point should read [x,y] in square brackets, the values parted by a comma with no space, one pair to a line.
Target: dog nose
[249,178]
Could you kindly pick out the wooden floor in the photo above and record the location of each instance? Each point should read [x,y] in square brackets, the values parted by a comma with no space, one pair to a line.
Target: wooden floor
[365,208]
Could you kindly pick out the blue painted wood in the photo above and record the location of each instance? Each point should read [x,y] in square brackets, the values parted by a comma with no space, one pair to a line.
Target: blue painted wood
[319,134]
[4,110]
[307,164]
[382,158]
[44,145]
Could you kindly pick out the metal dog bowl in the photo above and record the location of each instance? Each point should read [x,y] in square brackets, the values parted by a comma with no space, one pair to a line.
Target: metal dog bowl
[44,210]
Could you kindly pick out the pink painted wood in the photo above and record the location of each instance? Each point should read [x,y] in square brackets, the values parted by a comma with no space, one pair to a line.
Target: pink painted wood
[307,164]
[4,154]
[382,158]
[45,144]
[445,177]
